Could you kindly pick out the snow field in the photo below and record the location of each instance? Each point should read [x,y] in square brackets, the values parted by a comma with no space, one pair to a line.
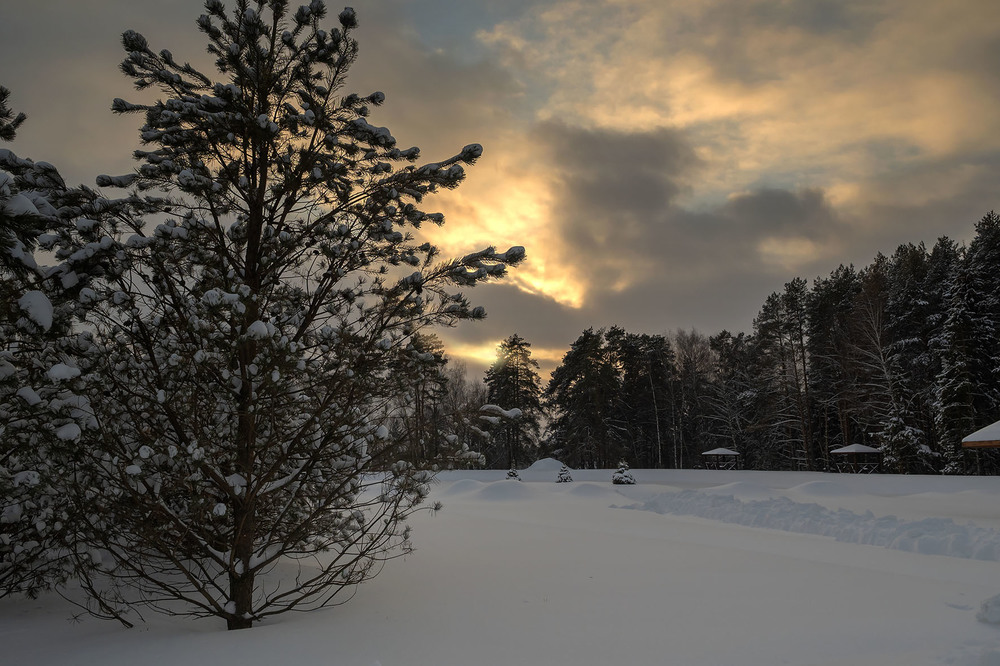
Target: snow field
[535,572]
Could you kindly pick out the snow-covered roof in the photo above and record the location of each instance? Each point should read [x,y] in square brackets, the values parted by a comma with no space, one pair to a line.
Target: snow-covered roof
[721,452]
[855,448]
[988,436]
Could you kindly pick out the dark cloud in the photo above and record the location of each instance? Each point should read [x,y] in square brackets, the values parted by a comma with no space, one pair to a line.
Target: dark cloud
[773,211]
[907,206]
[617,207]
[707,269]
[851,18]
[612,189]
[727,32]
[634,173]
[510,310]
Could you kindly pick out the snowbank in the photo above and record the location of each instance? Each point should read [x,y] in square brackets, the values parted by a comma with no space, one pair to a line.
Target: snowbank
[930,536]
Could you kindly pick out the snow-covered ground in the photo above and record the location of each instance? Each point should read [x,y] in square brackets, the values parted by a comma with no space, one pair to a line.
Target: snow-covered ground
[684,568]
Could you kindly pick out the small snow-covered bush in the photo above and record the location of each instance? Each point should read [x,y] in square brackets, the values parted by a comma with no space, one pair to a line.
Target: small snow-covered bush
[512,474]
[622,475]
[564,475]
[989,612]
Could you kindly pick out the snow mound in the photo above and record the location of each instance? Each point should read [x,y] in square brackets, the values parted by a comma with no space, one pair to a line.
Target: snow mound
[821,489]
[929,536]
[462,487]
[545,465]
[592,490]
[742,490]
[508,490]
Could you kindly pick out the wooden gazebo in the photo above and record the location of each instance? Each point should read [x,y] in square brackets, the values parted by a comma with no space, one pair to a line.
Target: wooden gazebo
[722,459]
[857,459]
[984,438]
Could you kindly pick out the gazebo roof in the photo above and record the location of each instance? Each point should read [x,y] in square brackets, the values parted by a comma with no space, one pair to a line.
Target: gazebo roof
[721,452]
[855,448]
[984,437]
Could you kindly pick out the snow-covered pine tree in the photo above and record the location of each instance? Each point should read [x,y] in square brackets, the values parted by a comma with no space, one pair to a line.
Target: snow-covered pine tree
[41,531]
[241,349]
[512,475]
[20,220]
[31,554]
[622,475]
[906,433]
[564,475]
[955,393]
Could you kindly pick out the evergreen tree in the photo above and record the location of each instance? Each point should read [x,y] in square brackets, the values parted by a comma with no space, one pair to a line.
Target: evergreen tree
[25,207]
[956,390]
[908,311]
[942,270]
[564,475]
[512,383]
[645,366]
[983,285]
[9,121]
[581,398]
[239,354]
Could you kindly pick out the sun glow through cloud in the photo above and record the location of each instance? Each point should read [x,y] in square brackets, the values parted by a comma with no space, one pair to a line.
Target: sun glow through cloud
[483,354]
[788,254]
[514,209]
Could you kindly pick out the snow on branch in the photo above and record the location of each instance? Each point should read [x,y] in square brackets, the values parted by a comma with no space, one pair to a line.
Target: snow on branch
[485,264]
[496,410]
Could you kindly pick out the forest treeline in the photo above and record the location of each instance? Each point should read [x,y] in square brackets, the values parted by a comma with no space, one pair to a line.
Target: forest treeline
[900,355]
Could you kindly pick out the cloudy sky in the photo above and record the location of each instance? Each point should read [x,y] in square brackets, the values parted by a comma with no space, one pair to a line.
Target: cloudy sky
[666,163]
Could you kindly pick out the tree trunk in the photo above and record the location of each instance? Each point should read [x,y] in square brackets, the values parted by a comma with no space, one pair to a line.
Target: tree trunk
[241,593]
